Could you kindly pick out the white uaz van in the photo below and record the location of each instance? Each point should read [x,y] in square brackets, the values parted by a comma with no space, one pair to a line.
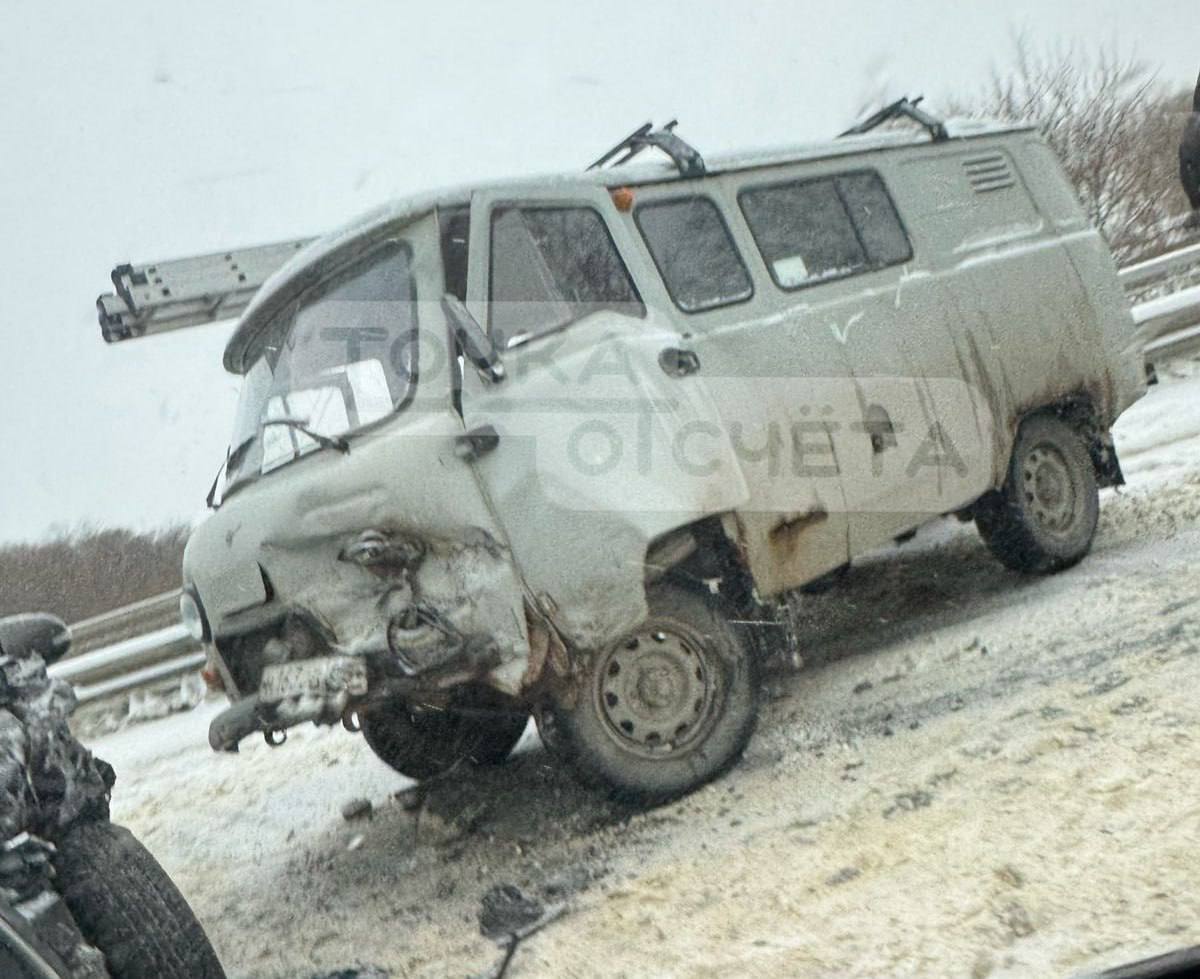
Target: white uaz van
[545,447]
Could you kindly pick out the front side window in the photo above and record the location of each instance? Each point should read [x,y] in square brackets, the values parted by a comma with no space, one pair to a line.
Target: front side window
[551,266]
[338,358]
[695,255]
[812,231]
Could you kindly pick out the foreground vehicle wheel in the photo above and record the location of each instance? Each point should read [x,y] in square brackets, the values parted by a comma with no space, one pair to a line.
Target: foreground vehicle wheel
[666,709]
[127,907]
[1044,517]
[422,744]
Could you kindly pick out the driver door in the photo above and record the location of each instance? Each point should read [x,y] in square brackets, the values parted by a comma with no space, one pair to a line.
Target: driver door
[593,419]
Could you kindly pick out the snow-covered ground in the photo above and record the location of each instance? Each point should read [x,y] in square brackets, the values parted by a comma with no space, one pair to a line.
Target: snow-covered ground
[975,773]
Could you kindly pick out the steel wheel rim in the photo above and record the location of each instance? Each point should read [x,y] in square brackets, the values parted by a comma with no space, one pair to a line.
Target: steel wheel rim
[656,691]
[1051,492]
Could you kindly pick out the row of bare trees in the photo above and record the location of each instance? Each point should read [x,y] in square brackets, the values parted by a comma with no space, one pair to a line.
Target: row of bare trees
[87,572]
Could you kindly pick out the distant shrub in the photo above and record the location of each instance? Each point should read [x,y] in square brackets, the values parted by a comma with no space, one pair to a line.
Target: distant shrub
[89,571]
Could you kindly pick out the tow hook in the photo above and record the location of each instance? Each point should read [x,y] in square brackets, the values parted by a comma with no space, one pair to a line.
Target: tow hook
[237,721]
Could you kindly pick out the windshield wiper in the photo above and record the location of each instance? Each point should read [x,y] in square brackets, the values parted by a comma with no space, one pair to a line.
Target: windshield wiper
[237,453]
[212,490]
[301,425]
[233,457]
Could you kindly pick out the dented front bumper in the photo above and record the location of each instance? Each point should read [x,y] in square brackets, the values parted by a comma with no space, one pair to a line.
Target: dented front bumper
[376,556]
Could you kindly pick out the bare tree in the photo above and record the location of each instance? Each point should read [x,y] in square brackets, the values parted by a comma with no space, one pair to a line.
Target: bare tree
[1113,125]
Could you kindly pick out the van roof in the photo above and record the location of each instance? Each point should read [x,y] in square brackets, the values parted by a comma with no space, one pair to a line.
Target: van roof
[309,264]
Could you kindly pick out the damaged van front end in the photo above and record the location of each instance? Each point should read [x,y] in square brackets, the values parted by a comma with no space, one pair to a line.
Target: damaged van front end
[352,556]
[313,600]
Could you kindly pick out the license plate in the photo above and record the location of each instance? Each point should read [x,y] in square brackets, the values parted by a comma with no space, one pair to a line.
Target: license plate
[313,678]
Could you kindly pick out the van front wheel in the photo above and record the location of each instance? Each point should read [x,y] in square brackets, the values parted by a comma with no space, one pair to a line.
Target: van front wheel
[665,709]
[1044,517]
[422,744]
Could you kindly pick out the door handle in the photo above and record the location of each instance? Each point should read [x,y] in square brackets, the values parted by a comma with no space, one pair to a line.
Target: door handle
[878,425]
[475,443]
[677,362]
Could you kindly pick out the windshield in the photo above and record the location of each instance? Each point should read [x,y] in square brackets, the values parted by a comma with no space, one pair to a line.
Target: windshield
[340,357]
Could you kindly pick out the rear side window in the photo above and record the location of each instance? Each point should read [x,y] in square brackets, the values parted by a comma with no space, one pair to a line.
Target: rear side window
[695,255]
[551,266]
[812,231]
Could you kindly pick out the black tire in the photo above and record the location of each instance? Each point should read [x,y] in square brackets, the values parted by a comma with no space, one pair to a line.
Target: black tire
[126,906]
[1044,517]
[664,710]
[426,743]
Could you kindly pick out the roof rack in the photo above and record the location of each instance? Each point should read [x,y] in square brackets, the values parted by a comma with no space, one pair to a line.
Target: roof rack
[904,108]
[686,158]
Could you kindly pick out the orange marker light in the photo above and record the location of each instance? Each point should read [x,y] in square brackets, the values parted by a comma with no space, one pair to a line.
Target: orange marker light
[622,198]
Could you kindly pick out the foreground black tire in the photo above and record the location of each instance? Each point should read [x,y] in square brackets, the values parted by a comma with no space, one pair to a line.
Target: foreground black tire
[426,743]
[1044,517]
[127,907]
[664,710]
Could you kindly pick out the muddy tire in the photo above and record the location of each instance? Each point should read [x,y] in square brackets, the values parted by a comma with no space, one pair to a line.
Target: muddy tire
[1044,517]
[667,708]
[128,908]
[426,743]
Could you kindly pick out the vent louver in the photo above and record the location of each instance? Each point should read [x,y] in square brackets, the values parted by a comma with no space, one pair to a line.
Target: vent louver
[988,172]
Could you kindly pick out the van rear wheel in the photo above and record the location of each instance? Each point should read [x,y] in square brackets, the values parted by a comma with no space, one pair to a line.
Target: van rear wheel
[1044,517]
[424,743]
[665,709]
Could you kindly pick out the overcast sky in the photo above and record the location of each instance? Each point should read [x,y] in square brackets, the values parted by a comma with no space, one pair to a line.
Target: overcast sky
[147,131]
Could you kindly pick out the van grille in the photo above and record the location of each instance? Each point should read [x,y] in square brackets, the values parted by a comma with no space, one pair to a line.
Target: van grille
[988,172]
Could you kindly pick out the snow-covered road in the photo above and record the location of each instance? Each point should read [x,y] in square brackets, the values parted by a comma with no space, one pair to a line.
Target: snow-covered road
[975,774]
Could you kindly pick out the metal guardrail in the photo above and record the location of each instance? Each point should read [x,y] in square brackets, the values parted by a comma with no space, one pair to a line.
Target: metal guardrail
[128,648]
[159,655]
[1179,260]
[136,619]
[143,643]
[1168,325]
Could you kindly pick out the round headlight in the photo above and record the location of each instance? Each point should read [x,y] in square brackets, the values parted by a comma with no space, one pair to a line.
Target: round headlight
[191,617]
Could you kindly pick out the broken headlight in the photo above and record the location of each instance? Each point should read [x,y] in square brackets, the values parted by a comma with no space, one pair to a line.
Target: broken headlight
[192,617]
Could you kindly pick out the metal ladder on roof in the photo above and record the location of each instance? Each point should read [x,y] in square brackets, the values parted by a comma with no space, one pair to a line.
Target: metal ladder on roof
[156,297]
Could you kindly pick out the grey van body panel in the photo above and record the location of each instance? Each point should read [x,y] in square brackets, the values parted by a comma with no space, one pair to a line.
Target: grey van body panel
[1009,303]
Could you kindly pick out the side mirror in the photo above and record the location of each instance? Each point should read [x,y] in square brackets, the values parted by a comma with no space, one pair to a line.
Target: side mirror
[476,345]
[34,633]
